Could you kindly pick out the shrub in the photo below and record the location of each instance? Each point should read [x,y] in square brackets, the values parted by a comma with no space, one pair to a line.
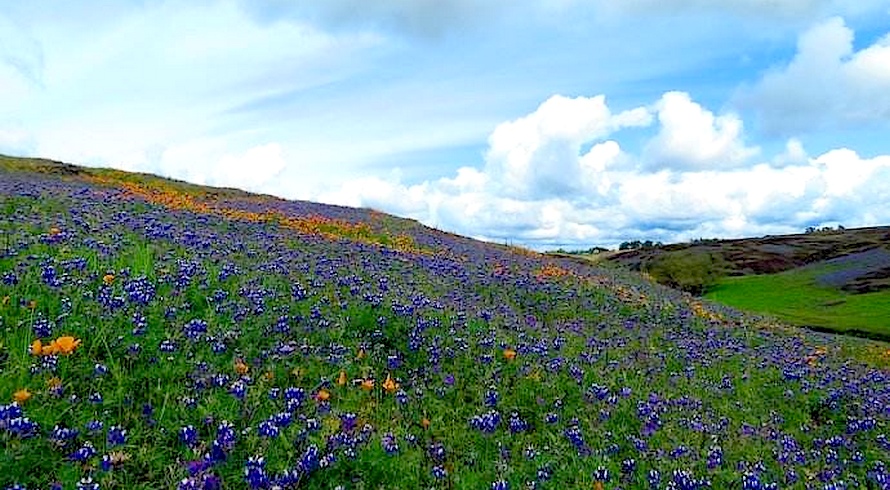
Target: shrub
[687,270]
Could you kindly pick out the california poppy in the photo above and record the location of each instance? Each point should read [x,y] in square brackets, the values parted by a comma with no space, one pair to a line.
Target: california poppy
[389,385]
[65,345]
[509,354]
[22,395]
[240,367]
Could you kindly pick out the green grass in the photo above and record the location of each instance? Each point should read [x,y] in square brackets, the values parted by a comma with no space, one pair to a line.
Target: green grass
[795,297]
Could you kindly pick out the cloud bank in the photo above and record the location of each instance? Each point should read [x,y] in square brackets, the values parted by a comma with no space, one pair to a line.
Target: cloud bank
[557,177]
[827,83]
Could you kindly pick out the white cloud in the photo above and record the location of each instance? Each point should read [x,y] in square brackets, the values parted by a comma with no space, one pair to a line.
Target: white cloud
[538,155]
[15,141]
[826,84]
[249,170]
[618,195]
[692,137]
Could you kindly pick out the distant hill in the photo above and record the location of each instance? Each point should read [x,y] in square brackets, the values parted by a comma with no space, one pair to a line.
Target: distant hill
[862,253]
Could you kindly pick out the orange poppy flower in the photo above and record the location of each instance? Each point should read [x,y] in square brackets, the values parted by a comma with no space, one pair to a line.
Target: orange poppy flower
[240,367]
[389,385]
[341,380]
[509,354]
[36,347]
[368,384]
[108,279]
[425,423]
[21,396]
[360,354]
[322,395]
[65,345]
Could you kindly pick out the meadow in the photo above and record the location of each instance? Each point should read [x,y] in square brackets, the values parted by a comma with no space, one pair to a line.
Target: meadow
[159,335]
[798,297]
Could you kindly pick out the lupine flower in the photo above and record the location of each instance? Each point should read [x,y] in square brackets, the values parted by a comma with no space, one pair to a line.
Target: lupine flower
[500,485]
[255,472]
[188,435]
[117,436]
[389,443]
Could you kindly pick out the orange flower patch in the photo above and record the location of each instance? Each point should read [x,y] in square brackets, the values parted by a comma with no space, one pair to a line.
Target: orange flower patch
[509,354]
[368,384]
[21,396]
[240,367]
[64,345]
[322,395]
[389,385]
[341,380]
[108,279]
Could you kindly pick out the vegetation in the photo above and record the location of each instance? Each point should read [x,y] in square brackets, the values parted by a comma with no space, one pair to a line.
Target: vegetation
[637,244]
[687,270]
[170,336]
[796,297]
[587,251]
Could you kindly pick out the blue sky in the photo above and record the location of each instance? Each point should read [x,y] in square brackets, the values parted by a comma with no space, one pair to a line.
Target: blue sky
[547,123]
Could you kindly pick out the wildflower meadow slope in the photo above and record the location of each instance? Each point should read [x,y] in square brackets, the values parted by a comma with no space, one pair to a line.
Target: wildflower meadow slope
[155,335]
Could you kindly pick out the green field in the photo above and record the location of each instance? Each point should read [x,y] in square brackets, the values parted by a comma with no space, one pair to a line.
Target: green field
[795,297]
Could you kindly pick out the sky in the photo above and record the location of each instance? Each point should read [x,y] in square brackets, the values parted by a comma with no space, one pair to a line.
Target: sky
[542,123]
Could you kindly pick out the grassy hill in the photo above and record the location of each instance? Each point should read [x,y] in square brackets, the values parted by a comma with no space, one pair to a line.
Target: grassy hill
[836,281]
[156,334]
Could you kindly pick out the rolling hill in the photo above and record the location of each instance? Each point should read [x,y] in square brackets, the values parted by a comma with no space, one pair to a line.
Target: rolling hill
[156,334]
[834,280]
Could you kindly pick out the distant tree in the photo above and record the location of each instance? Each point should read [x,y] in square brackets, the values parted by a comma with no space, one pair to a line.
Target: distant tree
[688,270]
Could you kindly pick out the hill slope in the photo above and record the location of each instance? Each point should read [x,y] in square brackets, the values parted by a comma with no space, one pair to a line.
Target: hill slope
[773,254]
[835,281]
[155,334]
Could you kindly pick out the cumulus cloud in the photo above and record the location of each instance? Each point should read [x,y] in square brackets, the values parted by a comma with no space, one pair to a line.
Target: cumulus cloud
[540,188]
[538,155]
[827,83]
[212,162]
[693,137]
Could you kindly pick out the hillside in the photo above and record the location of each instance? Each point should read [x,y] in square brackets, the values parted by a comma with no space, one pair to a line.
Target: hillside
[836,280]
[868,247]
[157,334]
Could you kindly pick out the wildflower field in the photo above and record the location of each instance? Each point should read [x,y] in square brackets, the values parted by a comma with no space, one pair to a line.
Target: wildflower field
[159,335]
